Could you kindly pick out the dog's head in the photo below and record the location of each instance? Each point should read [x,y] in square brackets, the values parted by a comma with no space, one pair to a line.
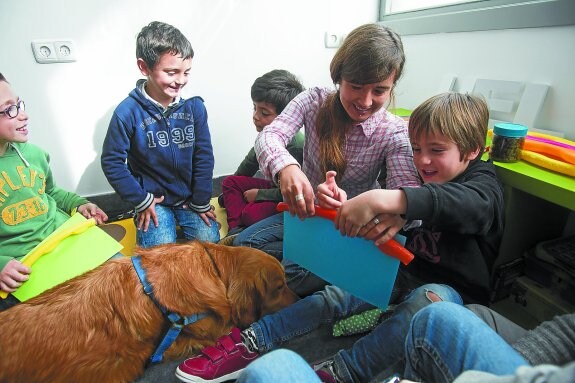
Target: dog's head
[238,284]
[256,282]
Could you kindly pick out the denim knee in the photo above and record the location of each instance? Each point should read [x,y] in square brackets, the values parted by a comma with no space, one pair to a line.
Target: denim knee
[434,292]
[165,232]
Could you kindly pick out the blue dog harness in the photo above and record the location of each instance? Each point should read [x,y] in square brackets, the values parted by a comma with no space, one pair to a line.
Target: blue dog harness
[177,321]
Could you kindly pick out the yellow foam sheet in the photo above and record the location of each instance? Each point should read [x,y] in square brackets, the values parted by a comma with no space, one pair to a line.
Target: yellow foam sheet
[73,256]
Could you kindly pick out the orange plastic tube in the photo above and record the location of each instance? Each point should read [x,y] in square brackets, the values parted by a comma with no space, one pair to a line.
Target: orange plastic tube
[391,247]
[558,152]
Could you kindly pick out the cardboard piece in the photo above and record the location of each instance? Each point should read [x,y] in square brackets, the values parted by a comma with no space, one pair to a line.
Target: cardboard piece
[353,264]
[73,256]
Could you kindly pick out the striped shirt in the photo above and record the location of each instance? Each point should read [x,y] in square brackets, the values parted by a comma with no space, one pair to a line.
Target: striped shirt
[380,142]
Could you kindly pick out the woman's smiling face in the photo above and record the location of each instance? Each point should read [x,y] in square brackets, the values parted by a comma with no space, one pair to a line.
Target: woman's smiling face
[362,101]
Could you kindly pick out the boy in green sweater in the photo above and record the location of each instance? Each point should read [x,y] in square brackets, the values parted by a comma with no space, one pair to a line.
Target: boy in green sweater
[31,205]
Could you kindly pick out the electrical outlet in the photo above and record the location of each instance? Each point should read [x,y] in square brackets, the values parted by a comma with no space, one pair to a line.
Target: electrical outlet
[332,39]
[65,50]
[44,51]
[54,51]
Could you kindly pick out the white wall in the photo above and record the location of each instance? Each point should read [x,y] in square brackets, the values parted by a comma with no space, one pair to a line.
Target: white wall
[236,41]
[537,55]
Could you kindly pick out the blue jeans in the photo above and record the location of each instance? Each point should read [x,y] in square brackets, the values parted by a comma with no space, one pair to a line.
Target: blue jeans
[268,235]
[280,366]
[168,217]
[370,355]
[446,340]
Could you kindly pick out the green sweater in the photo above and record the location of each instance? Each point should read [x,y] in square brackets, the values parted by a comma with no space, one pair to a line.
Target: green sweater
[31,205]
[250,166]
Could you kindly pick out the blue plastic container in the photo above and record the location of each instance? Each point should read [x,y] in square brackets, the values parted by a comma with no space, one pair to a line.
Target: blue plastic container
[507,142]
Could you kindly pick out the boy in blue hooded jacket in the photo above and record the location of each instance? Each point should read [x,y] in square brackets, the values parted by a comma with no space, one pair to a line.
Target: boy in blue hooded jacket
[157,154]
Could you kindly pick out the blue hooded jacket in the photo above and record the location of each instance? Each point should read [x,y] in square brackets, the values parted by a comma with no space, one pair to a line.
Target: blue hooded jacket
[150,153]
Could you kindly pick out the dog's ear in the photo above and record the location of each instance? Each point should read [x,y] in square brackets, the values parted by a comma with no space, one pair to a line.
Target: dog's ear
[246,301]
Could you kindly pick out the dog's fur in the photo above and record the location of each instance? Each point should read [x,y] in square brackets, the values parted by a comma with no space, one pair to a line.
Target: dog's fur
[101,327]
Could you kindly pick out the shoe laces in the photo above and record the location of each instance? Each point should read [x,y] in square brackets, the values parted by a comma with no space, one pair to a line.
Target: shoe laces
[326,371]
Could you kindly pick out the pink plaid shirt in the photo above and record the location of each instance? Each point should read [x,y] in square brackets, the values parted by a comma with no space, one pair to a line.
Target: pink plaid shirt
[380,142]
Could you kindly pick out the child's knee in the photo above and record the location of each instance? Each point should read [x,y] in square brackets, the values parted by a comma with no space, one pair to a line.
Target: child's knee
[438,293]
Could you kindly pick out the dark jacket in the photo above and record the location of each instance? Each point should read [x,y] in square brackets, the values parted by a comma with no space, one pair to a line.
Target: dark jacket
[461,230]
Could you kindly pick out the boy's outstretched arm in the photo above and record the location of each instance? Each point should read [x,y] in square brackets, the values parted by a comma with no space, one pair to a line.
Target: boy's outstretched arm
[364,210]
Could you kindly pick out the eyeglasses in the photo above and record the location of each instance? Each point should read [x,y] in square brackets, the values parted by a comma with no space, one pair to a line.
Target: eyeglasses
[13,110]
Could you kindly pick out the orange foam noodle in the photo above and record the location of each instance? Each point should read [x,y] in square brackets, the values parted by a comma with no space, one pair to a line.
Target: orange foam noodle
[557,152]
[550,137]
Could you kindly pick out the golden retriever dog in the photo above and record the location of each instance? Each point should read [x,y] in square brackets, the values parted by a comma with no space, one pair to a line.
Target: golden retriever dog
[102,327]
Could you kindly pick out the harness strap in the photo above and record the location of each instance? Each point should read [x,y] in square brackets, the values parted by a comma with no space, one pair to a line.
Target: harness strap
[177,321]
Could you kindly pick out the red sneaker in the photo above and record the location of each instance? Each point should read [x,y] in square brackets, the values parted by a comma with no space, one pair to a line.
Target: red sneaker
[325,377]
[219,363]
[326,371]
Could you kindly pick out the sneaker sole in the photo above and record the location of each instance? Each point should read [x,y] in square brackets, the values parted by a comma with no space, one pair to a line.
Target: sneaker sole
[196,379]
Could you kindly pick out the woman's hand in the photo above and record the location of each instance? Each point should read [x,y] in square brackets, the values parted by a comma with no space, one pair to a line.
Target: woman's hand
[329,195]
[297,191]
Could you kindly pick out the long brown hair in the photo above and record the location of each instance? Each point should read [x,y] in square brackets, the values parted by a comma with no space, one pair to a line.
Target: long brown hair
[369,54]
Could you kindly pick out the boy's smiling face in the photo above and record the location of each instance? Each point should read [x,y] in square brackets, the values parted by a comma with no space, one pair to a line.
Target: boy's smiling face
[167,78]
[11,129]
[437,158]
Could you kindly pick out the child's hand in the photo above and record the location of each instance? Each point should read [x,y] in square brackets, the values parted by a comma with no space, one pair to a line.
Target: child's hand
[329,195]
[250,195]
[364,210]
[356,213]
[382,228]
[13,275]
[209,214]
[145,216]
[90,210]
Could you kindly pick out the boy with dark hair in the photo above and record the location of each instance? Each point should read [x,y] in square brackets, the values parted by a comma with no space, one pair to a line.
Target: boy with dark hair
[157,153]
[247,199]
